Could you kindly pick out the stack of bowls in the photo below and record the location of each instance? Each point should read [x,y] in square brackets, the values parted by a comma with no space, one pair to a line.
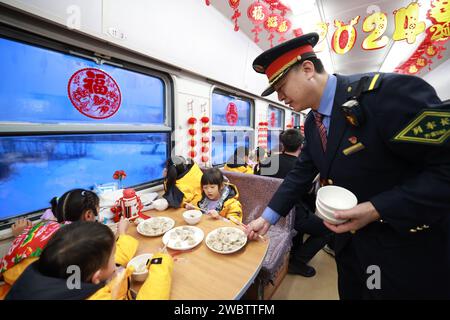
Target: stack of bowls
[332,198]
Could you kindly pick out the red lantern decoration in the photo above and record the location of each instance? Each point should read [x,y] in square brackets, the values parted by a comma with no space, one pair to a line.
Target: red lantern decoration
[205,129]
[205,139]
[205,149]
[192,120]
[192,132]
[205,158]
[204,119]
[192,154]
[257,12]
[192,143]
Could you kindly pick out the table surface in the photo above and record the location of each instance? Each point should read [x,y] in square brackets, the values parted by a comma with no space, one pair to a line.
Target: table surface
[200,273]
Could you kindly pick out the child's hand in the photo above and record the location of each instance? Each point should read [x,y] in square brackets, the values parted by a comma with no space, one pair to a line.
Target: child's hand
[19,226]
[214,214]
[122,226]
[189,206]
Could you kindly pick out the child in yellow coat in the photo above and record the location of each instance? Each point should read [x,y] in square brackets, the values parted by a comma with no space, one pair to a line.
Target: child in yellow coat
[219,198]
[74,205]
[79,262]
[182,182]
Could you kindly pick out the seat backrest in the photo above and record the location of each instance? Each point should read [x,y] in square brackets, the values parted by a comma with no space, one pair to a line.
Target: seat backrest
[255,193]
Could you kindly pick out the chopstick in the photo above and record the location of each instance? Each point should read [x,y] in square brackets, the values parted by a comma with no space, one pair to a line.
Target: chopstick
[236,221]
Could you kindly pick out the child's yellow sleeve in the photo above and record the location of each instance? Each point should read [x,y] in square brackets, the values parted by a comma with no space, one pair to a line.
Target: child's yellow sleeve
[188,194]
[232,208]
[126,247]
[157,285]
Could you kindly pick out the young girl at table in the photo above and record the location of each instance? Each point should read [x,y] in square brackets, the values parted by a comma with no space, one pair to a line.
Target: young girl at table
[218,198]
[74,205]
[182,182]
[91,247]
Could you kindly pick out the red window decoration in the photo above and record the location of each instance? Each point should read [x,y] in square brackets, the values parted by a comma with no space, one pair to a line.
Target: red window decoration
[273,119]
[232,114]
[290,124]
[262,134]
[205,136]
[94,93]
[191,131]
[257,12]
[235,5]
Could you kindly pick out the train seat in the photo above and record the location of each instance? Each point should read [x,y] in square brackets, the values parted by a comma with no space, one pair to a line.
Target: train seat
[255,193]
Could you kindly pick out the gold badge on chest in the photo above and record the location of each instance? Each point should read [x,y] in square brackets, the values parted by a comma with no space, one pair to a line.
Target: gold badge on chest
[355,147]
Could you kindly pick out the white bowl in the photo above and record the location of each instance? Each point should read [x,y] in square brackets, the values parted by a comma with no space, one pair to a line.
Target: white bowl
[192,216]
[139,262]
[336,198]
[327,215]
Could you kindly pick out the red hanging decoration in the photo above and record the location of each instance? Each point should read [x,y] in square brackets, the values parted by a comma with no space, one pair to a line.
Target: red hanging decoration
[207,2]
[234,4]
[257,12]
[297,32]
[262,134]
[273,4]
[283,8]
[192,120]
[283,27]
[205,136]
[271,24]
[192,154]
[191,131]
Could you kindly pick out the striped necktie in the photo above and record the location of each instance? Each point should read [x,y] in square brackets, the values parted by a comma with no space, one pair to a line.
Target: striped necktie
[322,129]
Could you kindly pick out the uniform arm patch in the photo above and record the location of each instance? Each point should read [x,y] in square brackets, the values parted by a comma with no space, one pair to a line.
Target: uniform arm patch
[428,127]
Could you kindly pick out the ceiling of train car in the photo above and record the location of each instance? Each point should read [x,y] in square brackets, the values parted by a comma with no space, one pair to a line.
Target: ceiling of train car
[305,14]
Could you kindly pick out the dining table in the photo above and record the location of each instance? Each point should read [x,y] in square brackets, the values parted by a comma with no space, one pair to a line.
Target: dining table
[200,273]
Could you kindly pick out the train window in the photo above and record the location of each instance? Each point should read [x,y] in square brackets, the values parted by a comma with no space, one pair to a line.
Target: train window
[232,120]
[48,147]
[276,125]
[296,117]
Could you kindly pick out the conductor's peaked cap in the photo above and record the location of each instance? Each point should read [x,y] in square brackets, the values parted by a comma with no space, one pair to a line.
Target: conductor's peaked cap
[276,61]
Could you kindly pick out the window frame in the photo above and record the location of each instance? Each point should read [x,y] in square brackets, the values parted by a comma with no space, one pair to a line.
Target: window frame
[220,128]
[31,129]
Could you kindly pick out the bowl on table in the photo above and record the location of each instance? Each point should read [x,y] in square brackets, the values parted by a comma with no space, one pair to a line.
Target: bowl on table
[192,216]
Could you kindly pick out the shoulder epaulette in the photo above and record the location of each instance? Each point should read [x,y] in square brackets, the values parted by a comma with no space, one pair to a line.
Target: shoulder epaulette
[366,83]
[428,127]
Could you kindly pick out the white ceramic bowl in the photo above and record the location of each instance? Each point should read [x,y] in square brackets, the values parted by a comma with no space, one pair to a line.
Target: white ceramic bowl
[336,198]
[192,216]
[327,215]
[139,262]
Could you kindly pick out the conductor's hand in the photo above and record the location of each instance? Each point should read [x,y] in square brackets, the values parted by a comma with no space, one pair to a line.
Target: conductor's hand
[255,227]
[358,217]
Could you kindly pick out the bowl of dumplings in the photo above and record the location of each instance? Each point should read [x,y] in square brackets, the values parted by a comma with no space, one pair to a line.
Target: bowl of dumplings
[226,240]
[183,238]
